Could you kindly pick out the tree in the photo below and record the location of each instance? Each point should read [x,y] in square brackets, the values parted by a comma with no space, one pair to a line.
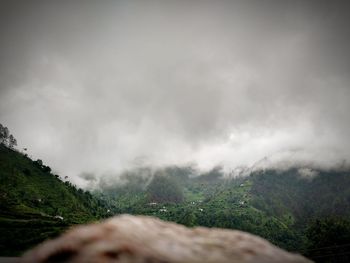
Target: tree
[38,163]
[4,134]
[188,218]
[6,138]
[46,169]
[12,141]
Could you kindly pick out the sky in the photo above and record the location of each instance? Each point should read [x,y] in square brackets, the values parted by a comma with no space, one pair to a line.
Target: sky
[103,86]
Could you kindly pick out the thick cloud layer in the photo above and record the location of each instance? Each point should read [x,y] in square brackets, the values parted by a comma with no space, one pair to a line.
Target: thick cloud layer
[98,87]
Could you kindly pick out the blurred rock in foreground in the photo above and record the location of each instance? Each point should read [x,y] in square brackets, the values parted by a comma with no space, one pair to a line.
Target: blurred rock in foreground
[145,239]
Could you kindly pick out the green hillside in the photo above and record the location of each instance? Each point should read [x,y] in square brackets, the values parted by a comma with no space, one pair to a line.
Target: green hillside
[310,215]
[35,204]
[207,200]
[281,194]
[284,207]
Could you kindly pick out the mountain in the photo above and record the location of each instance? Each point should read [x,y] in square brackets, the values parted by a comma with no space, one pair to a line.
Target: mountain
[36,204]
[298,209]
[325,193]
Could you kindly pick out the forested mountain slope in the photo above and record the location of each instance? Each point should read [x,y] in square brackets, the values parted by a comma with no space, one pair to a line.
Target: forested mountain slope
[35,204]
[297,209]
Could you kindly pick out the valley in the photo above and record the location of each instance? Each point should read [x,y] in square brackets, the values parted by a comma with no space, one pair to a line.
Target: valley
[285,207]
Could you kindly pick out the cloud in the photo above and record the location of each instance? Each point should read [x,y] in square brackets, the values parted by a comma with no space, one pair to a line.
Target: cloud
[103,87]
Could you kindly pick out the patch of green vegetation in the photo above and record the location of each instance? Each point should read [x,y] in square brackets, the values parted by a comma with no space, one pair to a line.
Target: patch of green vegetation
[36,204]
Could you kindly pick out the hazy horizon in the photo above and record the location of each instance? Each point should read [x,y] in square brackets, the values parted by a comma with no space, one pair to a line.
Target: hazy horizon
[100,87]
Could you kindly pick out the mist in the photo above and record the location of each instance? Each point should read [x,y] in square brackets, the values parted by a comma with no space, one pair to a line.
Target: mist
[100,88]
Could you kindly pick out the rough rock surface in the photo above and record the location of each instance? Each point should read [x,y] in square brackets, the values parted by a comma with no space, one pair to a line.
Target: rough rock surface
[145,239]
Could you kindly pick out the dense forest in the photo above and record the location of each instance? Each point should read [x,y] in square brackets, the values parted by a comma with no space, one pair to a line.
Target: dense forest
[299,209]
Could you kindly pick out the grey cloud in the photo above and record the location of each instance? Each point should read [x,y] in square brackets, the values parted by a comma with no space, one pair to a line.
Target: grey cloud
[93,86]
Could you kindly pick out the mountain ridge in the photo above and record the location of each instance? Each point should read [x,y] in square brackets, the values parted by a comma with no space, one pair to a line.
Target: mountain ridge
[286,207]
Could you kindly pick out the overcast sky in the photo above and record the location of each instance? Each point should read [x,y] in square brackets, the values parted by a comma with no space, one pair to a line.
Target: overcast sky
[102,86]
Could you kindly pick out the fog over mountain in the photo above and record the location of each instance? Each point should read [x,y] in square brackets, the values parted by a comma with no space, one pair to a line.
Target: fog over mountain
[103,86]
